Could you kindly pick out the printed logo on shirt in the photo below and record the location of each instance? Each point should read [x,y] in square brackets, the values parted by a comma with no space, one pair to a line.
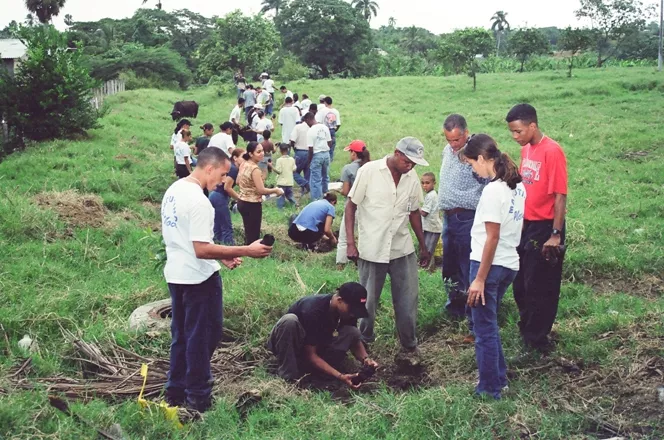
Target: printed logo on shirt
[169,213]
[530,171]
[516,193]
[331,120]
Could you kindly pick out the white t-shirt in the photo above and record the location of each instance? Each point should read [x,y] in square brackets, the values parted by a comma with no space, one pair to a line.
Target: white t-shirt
[262,125]
[499,204]
[288,117]
[175,138]
[182,150]
[268,85]
[318,137]
[223,141]
[299,136]
[289,94]
[186,216]
[432,222]
[329,116]
[264,98]
[305,105]
[236,114]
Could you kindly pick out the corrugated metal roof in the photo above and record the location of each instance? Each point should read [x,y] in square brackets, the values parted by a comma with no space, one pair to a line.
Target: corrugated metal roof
[11,48]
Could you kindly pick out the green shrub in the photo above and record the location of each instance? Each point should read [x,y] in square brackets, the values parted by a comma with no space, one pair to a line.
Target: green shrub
[134,82]
[292,70]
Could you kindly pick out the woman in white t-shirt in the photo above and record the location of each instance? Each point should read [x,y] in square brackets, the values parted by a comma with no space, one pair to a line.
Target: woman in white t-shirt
[183,124]
[182,152]
[494,261]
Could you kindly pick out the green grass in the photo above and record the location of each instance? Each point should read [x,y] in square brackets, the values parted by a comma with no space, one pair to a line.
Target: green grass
[54,275]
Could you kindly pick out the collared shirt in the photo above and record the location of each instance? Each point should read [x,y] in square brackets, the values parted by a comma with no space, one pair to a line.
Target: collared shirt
[459,186]
[223,141]
[383,211]
[299,136]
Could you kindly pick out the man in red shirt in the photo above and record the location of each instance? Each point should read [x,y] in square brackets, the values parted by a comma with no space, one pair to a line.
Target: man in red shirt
[542,248]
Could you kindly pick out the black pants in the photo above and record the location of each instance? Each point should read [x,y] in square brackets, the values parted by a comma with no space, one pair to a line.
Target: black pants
[537,285]
[252,215]
[305,237]
[181,171]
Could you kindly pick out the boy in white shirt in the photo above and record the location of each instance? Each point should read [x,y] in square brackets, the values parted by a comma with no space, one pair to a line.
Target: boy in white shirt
[431,221]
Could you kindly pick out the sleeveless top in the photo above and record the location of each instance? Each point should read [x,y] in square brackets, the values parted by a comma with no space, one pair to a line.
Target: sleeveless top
[248,191]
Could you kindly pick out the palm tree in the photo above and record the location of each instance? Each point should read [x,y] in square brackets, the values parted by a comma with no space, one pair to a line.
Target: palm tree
[158,3]
[45,9]
[69,20]
[30,20]
[499,26]
[268,5]
[392,22]
[366,7]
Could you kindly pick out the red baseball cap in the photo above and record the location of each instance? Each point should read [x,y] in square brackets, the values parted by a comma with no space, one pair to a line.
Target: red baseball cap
[356,146]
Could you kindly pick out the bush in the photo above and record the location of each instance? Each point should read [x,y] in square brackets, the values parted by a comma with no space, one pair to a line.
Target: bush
[49,97]
[134,82]
[292,70]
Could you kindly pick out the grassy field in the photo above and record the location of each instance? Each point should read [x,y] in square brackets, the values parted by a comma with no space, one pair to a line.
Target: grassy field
[79,231]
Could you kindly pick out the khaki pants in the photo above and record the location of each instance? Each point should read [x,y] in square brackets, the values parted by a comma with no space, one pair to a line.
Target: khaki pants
[405,291]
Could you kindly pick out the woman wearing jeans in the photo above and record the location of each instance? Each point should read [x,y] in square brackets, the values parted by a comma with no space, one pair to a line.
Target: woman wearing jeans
[252,191]
[494,261]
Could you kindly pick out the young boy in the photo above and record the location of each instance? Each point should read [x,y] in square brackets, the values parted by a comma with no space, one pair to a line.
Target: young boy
[431,221]
[268,147]
[285,167]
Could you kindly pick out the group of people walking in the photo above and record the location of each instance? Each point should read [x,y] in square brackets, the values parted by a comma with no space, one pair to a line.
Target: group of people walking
[500,224]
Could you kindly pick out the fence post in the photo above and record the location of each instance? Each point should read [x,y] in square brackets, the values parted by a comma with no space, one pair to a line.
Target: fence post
[109,88]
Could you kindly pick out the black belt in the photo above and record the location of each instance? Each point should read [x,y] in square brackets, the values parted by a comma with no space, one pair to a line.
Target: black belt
[456,211]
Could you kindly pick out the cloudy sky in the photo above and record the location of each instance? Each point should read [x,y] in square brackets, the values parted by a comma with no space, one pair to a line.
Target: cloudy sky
[436,15]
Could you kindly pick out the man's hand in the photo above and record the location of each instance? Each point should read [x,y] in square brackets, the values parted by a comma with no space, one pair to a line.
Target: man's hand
[425,257]
[348,380]
[258,250]
[370,362]
[476,293]
[232,263]
[351,252]
[551,248]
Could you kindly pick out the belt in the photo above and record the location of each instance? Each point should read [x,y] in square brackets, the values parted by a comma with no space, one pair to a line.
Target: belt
[456,211]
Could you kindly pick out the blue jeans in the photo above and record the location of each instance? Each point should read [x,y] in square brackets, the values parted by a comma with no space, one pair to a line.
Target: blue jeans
[223,225]
[488,347]
[333,134]
[301,162]
[196,329]
[320,165]
[288,195]
[456,260]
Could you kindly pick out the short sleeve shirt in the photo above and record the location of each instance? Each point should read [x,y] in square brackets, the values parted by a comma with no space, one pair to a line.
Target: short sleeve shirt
[317,137]
[432,222]
[299,136]
[186,216]
[288,117]
[383,211]
[319,325]
[202,143]
[235,115]
[181,150]
[349,172]
[249,98]
[314,214]
[223,141]
[459,186]
[232,174]
[544,172]
[285,165]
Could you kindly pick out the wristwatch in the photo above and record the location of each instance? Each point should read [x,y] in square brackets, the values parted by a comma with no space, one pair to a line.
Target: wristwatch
[555,232]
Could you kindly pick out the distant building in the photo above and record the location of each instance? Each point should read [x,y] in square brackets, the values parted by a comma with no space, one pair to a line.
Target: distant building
[12,52]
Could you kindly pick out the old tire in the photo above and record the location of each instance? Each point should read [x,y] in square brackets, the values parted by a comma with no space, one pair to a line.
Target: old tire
[154,316]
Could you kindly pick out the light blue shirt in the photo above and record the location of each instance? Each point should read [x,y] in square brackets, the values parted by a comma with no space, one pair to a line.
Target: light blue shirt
[459,186]
[314,213]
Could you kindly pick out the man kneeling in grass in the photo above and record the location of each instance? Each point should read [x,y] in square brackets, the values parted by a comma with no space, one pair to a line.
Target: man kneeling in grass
[318,330]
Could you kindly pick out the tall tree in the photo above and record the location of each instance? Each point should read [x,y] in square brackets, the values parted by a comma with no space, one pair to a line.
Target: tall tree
[460,50]
[45,9]
[417,40]
[499,26]
[158,5]
[366,7]
[526,42]
[574,41]
[268,5]
[69,20]
[392,22]
[614,21]
[329,35]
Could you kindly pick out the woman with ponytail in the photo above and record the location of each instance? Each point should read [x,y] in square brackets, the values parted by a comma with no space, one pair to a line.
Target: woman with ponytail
[252,190]
[315,220]
[494,261]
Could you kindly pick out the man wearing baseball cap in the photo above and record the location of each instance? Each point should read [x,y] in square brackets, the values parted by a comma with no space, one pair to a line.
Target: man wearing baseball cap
[317,332]
[386,197]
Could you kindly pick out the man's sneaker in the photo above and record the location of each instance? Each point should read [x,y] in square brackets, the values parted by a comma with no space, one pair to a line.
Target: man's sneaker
[409,358]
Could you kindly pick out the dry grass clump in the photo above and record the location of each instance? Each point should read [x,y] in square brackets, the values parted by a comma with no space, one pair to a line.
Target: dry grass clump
[74,208]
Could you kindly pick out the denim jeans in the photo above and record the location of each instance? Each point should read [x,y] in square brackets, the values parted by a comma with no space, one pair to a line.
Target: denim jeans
[320,165]
[456,260]
[302,164]
[196,329]
[288,195]
[223,225]
[488,347]
[333,134]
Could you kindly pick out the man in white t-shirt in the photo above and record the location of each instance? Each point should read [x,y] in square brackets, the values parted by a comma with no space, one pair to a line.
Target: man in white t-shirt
[192,274]
[223,139]
[329,116]
[318,142]
[305,103]
[268,85]
[298,140]
[288,117]
[286,92]
[236,113]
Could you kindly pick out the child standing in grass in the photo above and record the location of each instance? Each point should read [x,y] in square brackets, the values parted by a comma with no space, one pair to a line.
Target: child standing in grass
[431,221]
[494,260]
[182,152]
[268,148]
[285,167]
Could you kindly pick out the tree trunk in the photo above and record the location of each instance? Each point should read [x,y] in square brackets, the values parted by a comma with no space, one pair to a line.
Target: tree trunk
[523,61]
[497,43]
[570,65]
[474,81]
[324,71]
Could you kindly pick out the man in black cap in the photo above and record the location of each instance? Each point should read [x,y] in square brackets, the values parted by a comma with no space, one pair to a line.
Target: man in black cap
[319,330]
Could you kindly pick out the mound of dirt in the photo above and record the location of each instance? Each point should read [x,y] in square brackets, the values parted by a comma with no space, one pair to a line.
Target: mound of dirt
[74,208]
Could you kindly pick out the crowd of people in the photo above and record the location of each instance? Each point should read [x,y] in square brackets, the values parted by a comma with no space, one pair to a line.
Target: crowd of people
[500,225]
